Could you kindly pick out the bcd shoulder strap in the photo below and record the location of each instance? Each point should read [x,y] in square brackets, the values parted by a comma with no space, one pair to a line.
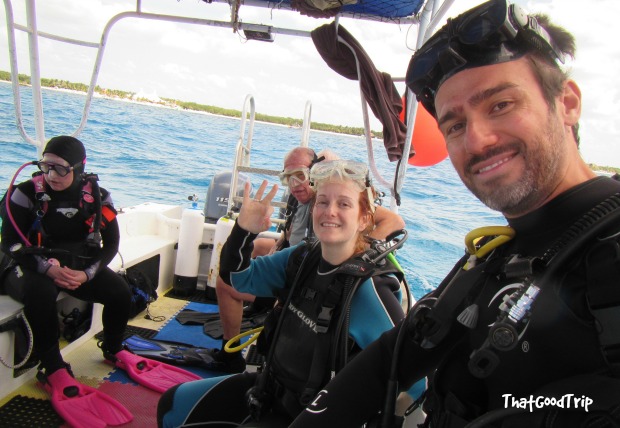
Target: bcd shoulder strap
[348,277]
[303,257]
[603,298]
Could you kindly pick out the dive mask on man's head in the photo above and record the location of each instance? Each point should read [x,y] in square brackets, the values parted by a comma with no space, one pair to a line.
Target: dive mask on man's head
[294,177]
[492,33]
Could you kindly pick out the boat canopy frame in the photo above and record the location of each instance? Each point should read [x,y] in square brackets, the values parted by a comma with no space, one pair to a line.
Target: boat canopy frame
[431,13]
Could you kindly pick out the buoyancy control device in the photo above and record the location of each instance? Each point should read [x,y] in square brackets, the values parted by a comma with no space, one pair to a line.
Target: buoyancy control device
[330,354]
[429,321]
[97,215]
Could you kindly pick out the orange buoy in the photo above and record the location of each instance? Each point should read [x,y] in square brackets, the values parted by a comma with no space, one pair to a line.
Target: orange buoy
[429,145]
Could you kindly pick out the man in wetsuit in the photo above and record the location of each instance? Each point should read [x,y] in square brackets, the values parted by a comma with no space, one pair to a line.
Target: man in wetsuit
[295,175]
[525,335]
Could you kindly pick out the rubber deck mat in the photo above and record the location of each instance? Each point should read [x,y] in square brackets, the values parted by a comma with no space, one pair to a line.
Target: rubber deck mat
[28,412]
[198,296]
[130,330]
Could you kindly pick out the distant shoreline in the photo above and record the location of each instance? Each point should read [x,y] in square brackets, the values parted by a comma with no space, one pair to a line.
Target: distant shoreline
[164,103]
[174,107]
[114,94]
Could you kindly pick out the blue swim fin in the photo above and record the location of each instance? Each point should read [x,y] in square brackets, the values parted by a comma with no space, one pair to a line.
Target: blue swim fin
[152,374]
[180,354]
[137,344]
[82,406]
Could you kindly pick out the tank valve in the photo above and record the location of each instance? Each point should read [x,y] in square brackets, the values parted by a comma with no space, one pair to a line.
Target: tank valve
[194,199]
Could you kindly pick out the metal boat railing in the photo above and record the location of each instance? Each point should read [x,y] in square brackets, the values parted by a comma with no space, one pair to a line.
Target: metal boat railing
[427,20]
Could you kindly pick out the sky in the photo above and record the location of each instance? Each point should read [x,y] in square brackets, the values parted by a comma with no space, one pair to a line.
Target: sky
[217,67]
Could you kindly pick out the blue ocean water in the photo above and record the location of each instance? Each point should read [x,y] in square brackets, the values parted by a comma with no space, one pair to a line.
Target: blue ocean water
[148,153]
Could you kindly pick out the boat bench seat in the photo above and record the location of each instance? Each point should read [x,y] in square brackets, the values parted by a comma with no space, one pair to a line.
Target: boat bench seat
[134,250]
[9,308]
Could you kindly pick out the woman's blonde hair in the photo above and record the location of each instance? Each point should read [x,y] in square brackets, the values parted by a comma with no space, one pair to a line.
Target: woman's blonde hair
[367,209]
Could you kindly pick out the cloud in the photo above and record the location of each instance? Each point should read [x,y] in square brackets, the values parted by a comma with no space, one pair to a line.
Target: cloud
[217,67]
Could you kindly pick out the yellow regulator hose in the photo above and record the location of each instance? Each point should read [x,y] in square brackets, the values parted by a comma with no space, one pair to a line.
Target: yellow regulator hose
[255,332]
[502,235]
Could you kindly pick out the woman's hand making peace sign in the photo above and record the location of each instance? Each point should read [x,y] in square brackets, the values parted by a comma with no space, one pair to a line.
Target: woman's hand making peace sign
[255,214]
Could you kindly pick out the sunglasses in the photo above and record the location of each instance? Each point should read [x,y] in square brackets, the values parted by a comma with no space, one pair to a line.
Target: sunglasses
[294,177]
[494,32]
[61,170]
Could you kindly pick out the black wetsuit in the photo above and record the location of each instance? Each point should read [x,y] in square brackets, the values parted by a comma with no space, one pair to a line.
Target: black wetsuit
[560,341]
[63,227]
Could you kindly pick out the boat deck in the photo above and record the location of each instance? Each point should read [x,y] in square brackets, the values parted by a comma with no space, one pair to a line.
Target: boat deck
[29,404]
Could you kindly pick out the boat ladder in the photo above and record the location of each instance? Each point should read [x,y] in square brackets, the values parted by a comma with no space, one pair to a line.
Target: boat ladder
[242,156]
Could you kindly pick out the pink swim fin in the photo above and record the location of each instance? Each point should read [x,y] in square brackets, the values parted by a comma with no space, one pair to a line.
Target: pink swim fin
[82,406]
[152,374]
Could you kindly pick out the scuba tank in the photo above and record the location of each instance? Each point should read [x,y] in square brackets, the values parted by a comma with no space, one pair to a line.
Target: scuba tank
[222,230]
[188,253]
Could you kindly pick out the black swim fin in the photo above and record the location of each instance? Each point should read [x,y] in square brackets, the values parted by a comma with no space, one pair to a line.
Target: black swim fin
[213,328]
[191,317]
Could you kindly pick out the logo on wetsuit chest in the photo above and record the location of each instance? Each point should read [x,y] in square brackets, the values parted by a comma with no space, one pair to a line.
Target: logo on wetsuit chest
[306,320]
[67,212]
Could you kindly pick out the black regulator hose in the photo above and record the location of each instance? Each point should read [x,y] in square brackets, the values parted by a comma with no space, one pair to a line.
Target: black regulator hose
[494,415]
[391,392]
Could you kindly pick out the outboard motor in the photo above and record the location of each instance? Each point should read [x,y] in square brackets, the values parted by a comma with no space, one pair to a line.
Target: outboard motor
[217,195]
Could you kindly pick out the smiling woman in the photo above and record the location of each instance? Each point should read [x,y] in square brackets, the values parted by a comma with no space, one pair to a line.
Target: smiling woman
[306,336]
[343,208]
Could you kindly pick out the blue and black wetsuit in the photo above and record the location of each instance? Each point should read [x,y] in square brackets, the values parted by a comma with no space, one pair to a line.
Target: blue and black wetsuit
[375,308]
[558,353]
[63,226]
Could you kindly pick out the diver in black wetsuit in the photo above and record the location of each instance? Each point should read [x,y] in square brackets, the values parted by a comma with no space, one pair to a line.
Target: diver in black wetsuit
[526,334]
[56,210]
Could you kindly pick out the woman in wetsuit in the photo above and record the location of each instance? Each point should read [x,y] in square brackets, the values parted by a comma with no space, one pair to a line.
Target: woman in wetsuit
[55,210]
[342,216]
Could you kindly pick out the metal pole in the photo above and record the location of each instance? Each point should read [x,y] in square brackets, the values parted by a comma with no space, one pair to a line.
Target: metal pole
[35,75]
